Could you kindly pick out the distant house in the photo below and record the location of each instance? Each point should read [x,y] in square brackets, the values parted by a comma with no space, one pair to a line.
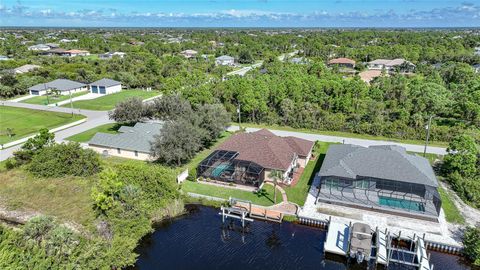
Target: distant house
[4,58]
[225,60]
[105,86]
[73,53]
[25,69]
[189,53]
[391,65]
[64,86]
[39,47]
[342,62]
[109,55]
[66,40]
[66,53]
[52,45]
[368,75]
[131,142]
[476,68]
[477,50]
[382,178]
[299,60]
[57,51]
[249,158]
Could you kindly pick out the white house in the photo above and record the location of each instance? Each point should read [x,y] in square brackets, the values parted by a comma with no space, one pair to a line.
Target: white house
[225,60]
[64,86]
[391,65]
[105,86]
[110,55]
[39,47]
[189,53]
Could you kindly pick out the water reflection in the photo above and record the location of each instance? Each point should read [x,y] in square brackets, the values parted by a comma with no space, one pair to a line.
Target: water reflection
[200,241]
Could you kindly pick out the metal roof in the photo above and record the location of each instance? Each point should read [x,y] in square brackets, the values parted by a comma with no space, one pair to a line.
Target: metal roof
[388,162]
[136,138]
[59,84]
[106,82]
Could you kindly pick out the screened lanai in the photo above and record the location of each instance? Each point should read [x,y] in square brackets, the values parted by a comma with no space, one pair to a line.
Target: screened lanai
[222,165]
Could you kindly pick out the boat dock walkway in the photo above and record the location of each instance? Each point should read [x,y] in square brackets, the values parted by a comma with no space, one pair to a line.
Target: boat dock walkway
[338,238]
[246,211]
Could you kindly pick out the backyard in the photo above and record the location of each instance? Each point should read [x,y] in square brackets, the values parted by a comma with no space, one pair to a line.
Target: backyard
[50,99]
[16,123]
[108,102]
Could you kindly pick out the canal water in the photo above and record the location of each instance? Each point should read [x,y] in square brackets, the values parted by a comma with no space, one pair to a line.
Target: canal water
[199,240]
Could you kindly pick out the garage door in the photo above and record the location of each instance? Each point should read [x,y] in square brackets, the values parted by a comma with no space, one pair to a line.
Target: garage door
[94,89]
[102,90]
[34,92]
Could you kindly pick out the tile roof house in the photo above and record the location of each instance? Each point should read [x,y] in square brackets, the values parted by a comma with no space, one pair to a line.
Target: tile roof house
[131,142]
[342,62]
[189,53]
[266,151]
[382,178]
[105,86]
[64,86]
[368,75]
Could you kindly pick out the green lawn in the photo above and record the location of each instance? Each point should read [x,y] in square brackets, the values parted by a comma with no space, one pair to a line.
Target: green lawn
[342,134]
[45,100]
[298,193]
[452,214]
[85,136]
[264,198]
[25,122]
[108,102]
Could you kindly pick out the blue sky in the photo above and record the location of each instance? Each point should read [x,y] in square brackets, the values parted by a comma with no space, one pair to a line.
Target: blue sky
[241,13]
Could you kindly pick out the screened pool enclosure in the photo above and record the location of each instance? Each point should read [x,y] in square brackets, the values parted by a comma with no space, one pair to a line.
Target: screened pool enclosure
[381,194]
[223,166]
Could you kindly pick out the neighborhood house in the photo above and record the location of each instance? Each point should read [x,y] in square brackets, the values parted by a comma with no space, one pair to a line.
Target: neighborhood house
[249,158]
[105,86]
[25,69]
[225,60]
[63,86]
[131,142]
[109,55]
[391,65]
[189,53]
[380,178]
[342,62]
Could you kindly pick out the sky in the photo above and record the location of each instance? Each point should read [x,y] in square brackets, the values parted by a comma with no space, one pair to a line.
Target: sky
[240,13]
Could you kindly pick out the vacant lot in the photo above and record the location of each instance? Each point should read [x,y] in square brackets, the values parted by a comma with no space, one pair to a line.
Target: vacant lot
[108,102]
[16,123]
[85,136]
[45,100]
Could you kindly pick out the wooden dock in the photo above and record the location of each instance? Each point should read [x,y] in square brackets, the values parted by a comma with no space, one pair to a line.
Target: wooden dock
[337,238]
[257,211]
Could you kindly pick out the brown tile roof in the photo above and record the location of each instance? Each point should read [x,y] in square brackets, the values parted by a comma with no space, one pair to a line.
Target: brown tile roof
[342,61]
[266,149]
[369,75]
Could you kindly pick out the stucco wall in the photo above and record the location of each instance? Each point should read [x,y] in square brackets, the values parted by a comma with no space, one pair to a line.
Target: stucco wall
[114,89]
[123,153]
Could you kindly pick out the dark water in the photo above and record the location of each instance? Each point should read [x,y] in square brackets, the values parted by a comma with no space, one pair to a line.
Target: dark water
[199,241]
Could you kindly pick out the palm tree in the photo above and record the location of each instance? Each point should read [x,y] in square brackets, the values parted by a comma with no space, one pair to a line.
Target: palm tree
[275,175]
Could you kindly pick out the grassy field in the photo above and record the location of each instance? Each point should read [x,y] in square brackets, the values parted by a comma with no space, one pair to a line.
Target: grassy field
[298,193]
[342,134]
[264,198]
[45,100]
[87,135]
[108,102]
[452,214]
[25,122]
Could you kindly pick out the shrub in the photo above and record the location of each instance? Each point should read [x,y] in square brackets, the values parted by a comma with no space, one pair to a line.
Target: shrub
[471,242]
[64,159]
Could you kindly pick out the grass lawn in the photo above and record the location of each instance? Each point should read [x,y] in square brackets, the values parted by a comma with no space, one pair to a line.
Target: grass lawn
[66,198]
[452,214]
[108,102]
[298,193]
[85,136]
[25,122]
[342,134]
[263,198]
[45,100]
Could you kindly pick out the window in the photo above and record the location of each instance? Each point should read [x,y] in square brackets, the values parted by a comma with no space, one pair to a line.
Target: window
[119,151]
[136,153]
[364,184]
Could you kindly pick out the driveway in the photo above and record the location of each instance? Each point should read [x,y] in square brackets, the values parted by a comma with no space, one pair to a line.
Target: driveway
[338,139]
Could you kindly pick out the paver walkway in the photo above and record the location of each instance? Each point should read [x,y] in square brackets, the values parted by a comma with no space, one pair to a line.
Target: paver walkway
[285,206]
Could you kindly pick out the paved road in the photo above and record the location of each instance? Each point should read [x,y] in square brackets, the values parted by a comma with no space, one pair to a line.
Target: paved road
[94,119]
[361,142]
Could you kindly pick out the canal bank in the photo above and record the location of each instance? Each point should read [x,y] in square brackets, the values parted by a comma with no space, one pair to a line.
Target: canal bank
[199,240]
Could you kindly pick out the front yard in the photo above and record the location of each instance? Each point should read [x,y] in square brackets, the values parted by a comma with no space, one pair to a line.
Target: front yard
[85,136]
[108,102]
[45,100]
[16,123]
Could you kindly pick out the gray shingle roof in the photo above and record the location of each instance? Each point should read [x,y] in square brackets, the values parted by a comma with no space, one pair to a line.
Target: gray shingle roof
[389,162]
[106,82]
[136,138]
[59,84]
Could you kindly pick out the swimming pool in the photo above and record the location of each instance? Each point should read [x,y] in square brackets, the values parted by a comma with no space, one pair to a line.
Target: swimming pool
[401,204]
[219,169]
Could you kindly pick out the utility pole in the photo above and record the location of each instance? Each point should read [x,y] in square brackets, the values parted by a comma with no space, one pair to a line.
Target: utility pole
[48,93]
[71,103]
[239,116]
[428,135]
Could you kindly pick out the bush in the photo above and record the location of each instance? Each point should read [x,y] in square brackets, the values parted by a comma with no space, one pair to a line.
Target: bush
[64,159]
[471,242]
